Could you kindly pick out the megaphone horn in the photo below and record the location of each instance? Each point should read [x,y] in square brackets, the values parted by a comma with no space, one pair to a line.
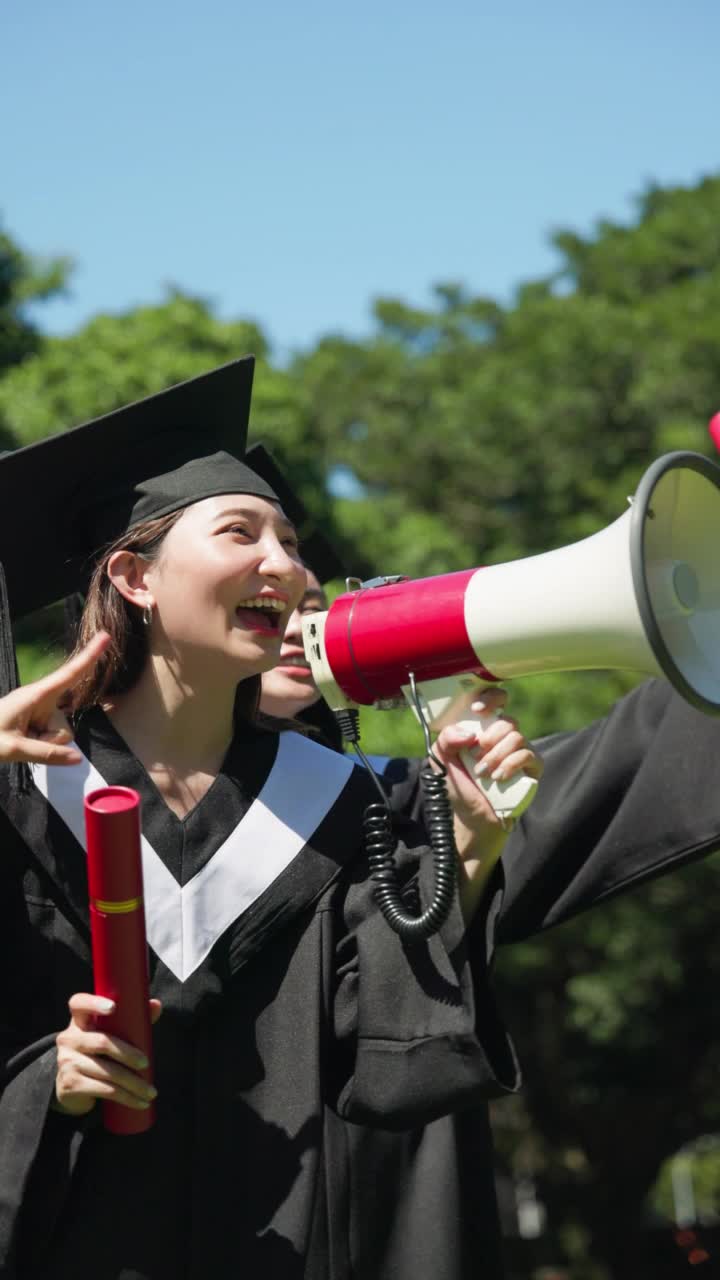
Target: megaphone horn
[642,595]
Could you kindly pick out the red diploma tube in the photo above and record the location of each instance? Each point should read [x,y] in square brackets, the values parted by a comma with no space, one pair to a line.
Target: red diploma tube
[117,923]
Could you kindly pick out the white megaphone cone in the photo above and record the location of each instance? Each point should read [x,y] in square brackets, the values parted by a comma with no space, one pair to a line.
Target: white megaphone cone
[642,595]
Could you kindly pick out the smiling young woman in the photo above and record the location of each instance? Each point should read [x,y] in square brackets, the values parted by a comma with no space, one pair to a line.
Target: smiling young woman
[288,1005]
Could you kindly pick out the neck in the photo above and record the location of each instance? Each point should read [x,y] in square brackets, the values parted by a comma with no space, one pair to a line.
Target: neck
[284,708]
[187,724]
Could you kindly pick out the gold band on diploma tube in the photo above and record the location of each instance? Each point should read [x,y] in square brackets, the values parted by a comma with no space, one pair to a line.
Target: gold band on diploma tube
[117,908]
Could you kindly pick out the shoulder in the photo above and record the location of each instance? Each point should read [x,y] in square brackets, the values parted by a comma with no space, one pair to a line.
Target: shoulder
[302,756]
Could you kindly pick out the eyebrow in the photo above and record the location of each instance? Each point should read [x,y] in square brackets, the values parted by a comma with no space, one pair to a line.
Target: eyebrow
[250,514]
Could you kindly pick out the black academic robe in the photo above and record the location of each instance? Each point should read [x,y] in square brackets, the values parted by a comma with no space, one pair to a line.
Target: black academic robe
[629,797]
[321,1085]
[632,796]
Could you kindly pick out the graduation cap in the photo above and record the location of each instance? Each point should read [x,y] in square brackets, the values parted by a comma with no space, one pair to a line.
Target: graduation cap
[65,498]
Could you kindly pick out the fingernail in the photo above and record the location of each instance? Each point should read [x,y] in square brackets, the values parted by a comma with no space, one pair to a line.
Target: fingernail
[480,768]
[478,706]
[151,1091]
[105,1006]
[497,774]
[141,1062]
[141,1104]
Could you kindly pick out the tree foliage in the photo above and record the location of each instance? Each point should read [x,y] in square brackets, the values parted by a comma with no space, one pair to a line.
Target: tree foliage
[22,279]
[472,432]
[616,1022]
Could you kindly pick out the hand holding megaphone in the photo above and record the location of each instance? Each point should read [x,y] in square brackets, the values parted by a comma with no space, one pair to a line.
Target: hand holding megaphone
[474,707]
[492,770]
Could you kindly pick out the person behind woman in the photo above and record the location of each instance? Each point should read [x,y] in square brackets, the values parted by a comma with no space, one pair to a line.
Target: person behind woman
[296,1028]
[288,690]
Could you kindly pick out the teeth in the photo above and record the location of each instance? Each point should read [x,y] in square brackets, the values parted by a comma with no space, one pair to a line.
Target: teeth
[262,602]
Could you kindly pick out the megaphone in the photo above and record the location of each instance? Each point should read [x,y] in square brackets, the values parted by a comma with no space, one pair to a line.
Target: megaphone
[643,594]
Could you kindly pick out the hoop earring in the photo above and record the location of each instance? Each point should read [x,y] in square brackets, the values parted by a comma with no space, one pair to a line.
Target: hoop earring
[147,615]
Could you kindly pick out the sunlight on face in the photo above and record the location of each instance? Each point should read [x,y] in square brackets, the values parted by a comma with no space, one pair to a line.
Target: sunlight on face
[228,580]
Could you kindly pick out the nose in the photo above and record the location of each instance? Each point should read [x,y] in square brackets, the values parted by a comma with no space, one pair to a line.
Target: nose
[277,561]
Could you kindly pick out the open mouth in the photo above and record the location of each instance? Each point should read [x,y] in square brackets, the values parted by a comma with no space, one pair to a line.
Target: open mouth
[262,613]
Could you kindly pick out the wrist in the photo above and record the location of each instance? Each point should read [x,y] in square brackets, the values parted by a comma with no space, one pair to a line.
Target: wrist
[479,845]
[477,858]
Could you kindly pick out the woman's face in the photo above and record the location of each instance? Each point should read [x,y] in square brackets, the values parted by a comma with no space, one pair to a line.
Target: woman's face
[227,581]
[289,687]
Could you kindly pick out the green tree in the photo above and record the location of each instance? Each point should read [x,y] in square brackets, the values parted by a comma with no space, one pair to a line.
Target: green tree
[22,279]
[495,432]
[519,428]
[478,433]
[115,359]
[615,1019]
[474,433]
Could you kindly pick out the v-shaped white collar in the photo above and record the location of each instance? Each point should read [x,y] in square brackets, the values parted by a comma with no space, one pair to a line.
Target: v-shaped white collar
[184,922]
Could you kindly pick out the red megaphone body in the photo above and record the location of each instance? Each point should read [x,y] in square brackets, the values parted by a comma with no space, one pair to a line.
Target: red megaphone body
[642,594]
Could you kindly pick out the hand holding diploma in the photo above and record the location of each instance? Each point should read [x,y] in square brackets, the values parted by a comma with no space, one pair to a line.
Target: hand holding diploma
[94,1064]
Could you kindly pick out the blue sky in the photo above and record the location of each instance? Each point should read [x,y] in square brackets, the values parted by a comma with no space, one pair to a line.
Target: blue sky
[293,160]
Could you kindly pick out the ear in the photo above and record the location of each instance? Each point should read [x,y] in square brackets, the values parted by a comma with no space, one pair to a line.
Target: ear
[128,573]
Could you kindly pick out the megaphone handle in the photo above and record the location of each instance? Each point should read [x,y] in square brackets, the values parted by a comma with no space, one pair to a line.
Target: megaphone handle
[508,798]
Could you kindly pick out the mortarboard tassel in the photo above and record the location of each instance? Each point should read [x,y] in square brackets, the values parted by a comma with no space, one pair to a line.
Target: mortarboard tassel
[20,779]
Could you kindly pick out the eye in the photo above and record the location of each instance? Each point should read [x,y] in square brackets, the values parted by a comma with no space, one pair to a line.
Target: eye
[291,542]
[238,528]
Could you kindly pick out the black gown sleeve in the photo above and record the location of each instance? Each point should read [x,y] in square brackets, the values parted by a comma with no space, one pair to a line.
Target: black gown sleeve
[28,1060]
[416,1020]
[627,798]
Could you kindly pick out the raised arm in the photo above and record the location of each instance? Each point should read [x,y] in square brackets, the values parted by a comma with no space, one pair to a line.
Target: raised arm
[500,751]
[33,728]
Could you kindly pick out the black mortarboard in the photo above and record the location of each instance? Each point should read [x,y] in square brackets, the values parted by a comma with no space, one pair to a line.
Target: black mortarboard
[63,499]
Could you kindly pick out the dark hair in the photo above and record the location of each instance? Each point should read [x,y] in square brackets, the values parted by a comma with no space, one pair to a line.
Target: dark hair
[106,609]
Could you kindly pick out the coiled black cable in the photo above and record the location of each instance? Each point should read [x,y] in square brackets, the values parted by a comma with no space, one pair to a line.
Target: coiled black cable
[379,844]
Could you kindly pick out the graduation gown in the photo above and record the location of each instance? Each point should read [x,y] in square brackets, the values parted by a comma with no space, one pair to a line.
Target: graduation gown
[629,797]
[632,796]
[321,1085]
